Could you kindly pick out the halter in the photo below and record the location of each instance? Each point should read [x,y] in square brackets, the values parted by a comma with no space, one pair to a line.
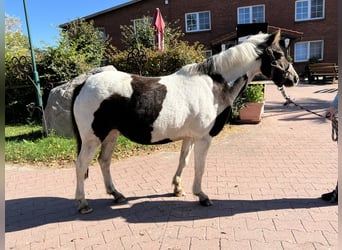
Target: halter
[274,65]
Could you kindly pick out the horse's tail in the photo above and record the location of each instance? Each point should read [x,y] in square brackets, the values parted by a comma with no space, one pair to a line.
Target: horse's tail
[74,124]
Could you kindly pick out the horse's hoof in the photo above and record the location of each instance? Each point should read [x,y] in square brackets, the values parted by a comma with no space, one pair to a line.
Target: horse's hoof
[85,210]
[206,202]
[179,194]
[120,199]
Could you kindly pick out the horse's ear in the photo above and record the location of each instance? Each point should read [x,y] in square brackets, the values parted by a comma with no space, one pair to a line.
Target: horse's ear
[273,38]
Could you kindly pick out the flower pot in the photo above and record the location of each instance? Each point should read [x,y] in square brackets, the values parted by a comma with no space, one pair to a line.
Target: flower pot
[252,112]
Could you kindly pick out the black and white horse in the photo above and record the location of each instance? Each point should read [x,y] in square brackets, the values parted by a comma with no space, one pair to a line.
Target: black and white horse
[190,105]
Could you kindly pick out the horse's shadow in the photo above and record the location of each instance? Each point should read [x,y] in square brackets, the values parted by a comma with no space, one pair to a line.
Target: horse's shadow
[36,211]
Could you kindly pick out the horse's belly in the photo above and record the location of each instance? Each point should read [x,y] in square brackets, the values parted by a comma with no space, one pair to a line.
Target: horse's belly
[188,110]
[190,127]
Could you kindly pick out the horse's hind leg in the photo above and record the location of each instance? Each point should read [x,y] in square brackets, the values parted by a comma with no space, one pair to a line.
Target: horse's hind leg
[201,151]
[105,157]
[87,153]
[183,161]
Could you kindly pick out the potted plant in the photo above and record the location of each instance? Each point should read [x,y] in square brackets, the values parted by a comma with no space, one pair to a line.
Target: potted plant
[250,105]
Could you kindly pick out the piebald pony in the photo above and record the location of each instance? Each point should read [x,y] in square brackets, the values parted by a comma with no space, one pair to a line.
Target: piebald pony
[192,105]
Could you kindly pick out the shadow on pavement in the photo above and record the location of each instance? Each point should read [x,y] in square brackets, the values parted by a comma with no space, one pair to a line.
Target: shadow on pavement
[36,211]
[294,113]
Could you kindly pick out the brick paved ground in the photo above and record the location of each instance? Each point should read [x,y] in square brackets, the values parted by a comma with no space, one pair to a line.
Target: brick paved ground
[264,181]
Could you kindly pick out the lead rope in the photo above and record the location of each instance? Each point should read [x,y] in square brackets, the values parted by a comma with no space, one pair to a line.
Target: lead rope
[334,121]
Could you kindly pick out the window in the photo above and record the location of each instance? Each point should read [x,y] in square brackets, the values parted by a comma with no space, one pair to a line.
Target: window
[103,33]
[207,53]
[304,51]
[197,21]
[141,23]
[251,14]
[309,10]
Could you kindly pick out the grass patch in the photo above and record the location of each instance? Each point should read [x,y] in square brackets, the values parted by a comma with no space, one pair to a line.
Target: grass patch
[26,144]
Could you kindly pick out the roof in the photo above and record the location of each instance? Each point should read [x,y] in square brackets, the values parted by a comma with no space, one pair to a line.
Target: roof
[105,11]
[112,9]
[285,32]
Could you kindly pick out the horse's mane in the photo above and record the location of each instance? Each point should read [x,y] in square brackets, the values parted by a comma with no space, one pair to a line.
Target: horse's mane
[235,59]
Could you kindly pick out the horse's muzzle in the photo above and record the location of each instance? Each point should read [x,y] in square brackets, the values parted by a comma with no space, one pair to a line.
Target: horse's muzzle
[292,78]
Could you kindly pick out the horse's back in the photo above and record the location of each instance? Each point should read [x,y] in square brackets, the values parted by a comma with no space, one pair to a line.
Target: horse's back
[146,109]
[105,83]
[99,87]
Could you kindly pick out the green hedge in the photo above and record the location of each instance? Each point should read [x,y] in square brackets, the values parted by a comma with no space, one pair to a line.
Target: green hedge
[159,63]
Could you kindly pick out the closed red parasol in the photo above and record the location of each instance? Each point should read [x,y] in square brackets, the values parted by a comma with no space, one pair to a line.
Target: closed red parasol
[159,25]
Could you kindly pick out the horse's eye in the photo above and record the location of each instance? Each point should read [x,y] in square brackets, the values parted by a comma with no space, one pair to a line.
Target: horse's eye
[278,54]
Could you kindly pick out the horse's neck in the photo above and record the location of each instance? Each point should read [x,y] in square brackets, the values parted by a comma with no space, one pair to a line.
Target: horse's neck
[237,66]
[237,62]
[237,87]
[226,93]
[233,90]
[229,65]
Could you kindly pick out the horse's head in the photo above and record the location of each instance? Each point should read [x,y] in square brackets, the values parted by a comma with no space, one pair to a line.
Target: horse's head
[274,64]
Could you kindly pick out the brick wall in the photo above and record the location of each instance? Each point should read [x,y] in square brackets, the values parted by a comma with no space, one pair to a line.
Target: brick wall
[224,20]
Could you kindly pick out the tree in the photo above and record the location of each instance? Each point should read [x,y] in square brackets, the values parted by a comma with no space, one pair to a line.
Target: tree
[16,45]
[80,48]
[19,91]
[12,24]
[141,36]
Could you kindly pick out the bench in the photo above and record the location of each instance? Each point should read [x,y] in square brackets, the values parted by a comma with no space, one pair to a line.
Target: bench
[324,70]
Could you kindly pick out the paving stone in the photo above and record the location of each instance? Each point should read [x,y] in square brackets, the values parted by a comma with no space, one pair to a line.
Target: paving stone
[265,181]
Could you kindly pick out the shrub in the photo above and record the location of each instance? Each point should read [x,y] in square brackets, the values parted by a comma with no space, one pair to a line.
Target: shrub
[141,51]
[80,49]
[253,93]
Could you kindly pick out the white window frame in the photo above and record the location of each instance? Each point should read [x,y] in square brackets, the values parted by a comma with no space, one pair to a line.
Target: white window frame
[142,21]
[197,21]
[308,56]
[103,31]
[309,11]
[250,8]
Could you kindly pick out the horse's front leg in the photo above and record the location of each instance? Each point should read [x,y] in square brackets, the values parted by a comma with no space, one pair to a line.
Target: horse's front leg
[184,158]
[201,151]
[105,157]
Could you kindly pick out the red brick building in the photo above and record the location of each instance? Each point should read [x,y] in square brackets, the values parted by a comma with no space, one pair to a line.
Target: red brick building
[308,26]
